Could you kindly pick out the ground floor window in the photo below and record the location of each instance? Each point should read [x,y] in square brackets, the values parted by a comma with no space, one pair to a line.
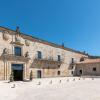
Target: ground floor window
[58,72]
[80,71]
[72,72]
[94,68]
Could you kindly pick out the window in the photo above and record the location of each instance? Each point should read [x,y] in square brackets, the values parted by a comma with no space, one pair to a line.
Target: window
[39,55]
[80,71]
[17,51]
[58,66]
[72,60]
[81,59]
[72,67]
[58,72]
[59,58]
[94,69]
[72,72]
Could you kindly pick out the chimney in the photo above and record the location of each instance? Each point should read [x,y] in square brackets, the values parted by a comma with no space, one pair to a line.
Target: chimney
[17,29]
[62,44]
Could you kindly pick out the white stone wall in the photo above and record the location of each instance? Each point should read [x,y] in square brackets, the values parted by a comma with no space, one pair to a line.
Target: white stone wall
[87,69]
[47,51]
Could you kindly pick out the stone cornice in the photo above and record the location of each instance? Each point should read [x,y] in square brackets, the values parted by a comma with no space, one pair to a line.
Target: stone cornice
[34,39]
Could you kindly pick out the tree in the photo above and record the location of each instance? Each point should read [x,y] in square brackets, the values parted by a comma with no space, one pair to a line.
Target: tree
[11,77]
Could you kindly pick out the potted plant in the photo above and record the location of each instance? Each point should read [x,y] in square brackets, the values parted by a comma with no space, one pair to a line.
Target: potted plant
[11,77]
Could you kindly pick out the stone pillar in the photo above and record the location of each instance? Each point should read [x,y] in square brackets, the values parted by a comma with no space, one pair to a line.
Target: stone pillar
[24,71]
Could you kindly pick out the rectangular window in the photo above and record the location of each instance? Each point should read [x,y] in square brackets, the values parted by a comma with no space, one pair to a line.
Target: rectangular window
[58,72]
[58,66]
[39,55]
[94,69]
[72,67]
[17,51]
[72,60]
[80,72]
[59,58]
[72,72]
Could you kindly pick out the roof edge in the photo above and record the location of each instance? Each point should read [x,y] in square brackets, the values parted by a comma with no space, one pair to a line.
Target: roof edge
[47,42]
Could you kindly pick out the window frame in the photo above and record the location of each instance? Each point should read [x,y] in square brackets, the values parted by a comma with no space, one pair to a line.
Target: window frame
[16,52]
[58,72]
[59,58]
[72,60]
[39,54]
[94,69]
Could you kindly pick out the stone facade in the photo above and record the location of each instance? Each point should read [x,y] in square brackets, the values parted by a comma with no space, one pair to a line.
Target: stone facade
[47,66]
[89,67]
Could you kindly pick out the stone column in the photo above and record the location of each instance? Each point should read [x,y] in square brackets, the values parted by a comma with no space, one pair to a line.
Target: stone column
[24,71]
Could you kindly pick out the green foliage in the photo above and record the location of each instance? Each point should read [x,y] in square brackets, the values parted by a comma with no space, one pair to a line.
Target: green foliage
[11,77]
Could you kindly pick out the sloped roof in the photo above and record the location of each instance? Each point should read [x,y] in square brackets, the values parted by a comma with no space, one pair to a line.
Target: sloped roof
[89,61]
[32,38]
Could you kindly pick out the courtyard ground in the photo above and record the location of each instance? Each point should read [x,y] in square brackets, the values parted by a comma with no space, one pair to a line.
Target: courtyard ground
[67,88]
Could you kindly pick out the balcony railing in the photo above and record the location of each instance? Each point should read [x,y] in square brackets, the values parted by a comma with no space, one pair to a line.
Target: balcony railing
[46,63]
[49,59]
[12,57]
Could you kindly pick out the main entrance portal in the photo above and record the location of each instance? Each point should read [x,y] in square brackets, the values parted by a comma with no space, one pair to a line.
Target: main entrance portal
[17,72]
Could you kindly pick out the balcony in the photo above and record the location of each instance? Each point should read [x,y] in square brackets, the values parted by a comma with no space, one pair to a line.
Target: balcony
[49,62]
[12,57]
[6,56]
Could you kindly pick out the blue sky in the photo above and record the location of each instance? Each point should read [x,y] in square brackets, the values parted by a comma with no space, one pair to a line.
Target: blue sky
[74,22]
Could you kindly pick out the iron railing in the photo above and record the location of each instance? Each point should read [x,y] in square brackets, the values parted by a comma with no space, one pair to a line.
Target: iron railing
[48,59]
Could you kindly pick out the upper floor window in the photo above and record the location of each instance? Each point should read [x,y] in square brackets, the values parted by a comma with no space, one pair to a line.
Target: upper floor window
[39,54]
[72,60]
[17,51]
[81,59]
[72,67]
[59,58]
[58,66]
